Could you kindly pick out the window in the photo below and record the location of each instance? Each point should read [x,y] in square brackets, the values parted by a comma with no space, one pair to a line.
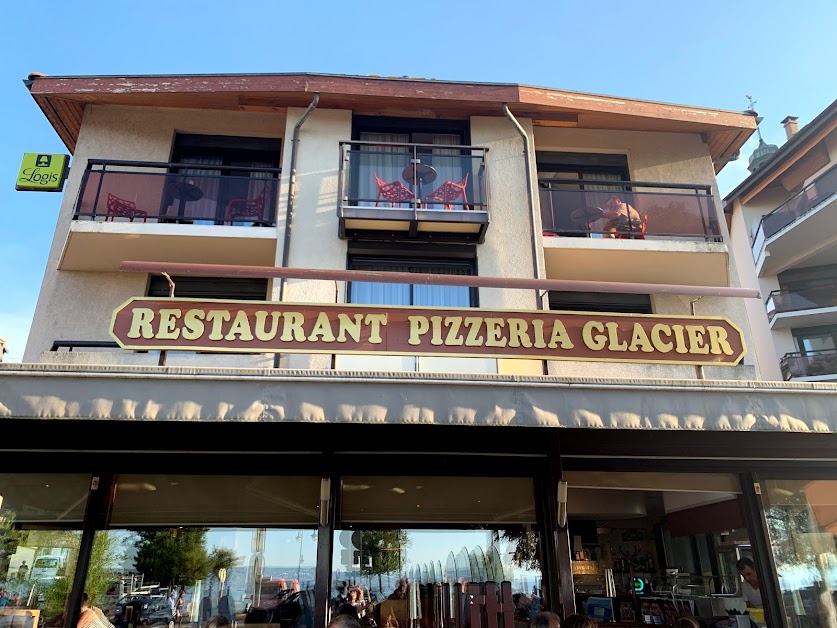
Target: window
[222,169]
[581,166]
[810,339]
[412,294]
[209,288]
[600,302]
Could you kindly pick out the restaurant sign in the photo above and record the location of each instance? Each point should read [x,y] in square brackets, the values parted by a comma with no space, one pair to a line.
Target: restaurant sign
[274,327]
[42,173]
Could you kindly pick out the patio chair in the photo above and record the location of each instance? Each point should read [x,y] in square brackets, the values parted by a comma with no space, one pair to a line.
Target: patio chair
[448,192]
[395,192]
[124,208]
[247,207]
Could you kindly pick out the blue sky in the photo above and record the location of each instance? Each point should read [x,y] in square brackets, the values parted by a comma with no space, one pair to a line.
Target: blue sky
[707,53]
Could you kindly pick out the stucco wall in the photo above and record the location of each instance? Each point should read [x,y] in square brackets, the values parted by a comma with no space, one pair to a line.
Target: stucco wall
[314,241]
[76,305]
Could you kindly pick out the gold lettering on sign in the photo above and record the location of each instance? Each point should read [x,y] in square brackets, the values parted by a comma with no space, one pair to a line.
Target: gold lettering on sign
[597,342]
[519,333]
[141,318]
[473,323]
[376,321]
[193,326]
[322,329]
[349,325]
[612,331]
[168,324]
[537,325]
[718,341]
[240,327]
[679,339]
[559,336]
[419,325]
[494,332]
[292,330]
[436,338]
[454,338]
[656,337]
[695,333]
[261,332]
[639,340]
[217,318]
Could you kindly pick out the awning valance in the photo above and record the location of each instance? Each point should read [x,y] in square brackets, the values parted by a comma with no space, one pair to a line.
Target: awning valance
[206,394]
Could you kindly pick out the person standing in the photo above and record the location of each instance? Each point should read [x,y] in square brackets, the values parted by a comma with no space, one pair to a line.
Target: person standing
[23,571]
[751,587]
[178,606]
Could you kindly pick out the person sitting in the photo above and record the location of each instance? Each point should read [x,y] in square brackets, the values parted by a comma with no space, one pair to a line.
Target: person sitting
[218,621]
[400,592]
[344,620]
[620,218]
[90,616]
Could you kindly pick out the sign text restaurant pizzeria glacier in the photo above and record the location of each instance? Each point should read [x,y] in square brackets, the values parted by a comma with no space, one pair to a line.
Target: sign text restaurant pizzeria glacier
[265,327]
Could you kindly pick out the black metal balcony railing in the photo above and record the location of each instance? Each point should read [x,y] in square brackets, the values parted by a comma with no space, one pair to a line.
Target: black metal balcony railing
[594,208]
[809,298]
[795,208]
[809,364]
[418,176]
[139,191]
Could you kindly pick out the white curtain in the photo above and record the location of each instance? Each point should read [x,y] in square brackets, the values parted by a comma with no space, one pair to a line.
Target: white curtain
[387,162]
[202,211]
[449,164]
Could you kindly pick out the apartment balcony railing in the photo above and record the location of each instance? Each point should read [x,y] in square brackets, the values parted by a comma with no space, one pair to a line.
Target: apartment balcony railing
[143,192]
[813,297]
[809,364]
[590,208]
[427,192]
[795,208]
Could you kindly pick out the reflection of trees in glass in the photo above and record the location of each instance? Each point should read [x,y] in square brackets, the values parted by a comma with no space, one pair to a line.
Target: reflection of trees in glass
[387,550]
[172,555]
[527,547]
[9,541]
[789,523]
[220,558]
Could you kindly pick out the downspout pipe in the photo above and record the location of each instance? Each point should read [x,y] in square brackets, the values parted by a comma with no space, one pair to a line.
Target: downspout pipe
[289,211]
[527,151]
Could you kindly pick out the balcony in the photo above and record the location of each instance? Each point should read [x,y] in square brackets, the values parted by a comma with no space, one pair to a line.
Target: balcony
[413,192]
[811,366]
[808,307]
[598,230]
[801,229]
[149,211]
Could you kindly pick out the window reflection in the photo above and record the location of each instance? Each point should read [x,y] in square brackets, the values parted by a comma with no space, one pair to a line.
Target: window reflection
[183,576]
[802,521]
[37,565]
[401,577]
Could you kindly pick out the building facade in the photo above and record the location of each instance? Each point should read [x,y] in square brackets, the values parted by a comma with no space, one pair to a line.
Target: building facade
[599,440]
[781,214]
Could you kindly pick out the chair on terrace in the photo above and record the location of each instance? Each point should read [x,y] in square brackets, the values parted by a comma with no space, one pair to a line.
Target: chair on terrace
[124,208]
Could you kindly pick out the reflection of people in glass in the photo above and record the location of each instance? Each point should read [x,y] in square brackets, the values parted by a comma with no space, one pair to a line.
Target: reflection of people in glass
[686,622]
[579,621]
[751,587]
[669,613]
[23,571]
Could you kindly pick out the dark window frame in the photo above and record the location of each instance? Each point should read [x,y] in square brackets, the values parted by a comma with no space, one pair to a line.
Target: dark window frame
[584,164]
[618,303]
[247,288]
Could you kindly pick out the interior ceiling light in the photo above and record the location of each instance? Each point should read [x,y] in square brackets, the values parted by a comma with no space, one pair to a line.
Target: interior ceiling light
[354,488]
[136,487]
[397,489]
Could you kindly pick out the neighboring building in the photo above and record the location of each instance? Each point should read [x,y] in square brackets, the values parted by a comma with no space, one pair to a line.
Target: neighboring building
[466,452]
[785,213]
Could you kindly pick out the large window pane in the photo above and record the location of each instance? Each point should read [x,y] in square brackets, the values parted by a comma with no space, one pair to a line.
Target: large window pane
[405,577]
[184,576]
[802,521]
[676,533]
[39,545]
[215,499]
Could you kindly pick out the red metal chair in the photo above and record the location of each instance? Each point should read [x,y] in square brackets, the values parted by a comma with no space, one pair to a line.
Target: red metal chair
[448,192]
[247,207]
[125,208]
[395,192]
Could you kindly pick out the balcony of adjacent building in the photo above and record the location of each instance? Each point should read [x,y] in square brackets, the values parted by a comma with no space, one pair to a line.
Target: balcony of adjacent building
[801,230]
[807,306]
[631,231]
[810,366]
[173,212]
[413,192]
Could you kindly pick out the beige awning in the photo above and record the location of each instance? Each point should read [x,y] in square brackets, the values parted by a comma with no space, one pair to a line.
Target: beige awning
[206,394]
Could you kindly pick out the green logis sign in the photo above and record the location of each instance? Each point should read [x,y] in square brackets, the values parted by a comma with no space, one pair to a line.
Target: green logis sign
[42,173]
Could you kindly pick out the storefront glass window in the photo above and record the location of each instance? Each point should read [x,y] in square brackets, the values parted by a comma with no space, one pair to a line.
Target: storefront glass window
[679,541]
[40,521]
[395,574]
[186,575]
[802,521]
